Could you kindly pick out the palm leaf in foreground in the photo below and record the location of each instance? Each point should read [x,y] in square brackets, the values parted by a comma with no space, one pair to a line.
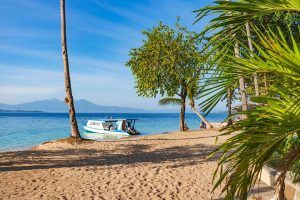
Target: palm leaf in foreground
[266,128]
[263,132]
[276,56]
[230,13]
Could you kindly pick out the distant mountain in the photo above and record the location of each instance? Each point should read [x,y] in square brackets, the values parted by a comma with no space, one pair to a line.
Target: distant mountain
[56,105]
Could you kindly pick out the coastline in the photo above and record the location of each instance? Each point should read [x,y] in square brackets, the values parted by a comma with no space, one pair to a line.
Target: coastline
[217,125]
[162,166]
[170,166]
[34,129]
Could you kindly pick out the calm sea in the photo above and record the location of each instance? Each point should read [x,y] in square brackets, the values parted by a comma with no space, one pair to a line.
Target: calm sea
[24,130]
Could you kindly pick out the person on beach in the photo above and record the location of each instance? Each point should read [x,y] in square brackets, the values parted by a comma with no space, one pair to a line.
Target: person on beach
[203,125]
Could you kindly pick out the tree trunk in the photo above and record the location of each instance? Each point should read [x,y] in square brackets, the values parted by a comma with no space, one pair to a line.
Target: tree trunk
[280,187]
[208,125]
[251,49]
[182,115]
[229,105]
[266,84]
[241,81]
[69,98]
[183,95]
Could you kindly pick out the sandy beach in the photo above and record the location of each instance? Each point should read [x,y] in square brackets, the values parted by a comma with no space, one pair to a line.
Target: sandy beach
[165,166]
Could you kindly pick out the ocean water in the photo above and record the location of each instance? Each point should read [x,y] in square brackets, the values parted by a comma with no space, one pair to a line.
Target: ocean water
[24,130]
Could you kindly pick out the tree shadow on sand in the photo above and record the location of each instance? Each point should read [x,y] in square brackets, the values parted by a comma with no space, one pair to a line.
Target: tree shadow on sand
[131,154]
[169,139]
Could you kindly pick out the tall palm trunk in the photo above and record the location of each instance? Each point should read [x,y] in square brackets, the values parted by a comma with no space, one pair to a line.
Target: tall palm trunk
[251,49]
[229,105]
[241,81]
[69,98]
[208,125]
[280,186]
[266,83]
[183,96]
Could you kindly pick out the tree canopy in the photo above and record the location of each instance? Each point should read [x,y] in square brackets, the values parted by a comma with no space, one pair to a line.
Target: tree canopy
[168,59]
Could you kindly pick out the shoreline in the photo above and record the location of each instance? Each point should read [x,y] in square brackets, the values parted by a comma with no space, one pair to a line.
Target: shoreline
[217,125]
[28,148]
[162,166]
[55,140]
[170,166]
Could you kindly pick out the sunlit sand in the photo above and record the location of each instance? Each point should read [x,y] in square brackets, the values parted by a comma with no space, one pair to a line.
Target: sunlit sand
[165,166]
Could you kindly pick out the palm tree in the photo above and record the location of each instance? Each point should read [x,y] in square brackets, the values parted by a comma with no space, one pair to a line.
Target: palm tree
[266,128]
[229,106]
[69,98]
[272,125]
[192,91]
[192,104]
[241,80]
[176,101]
[182,95]
[250,45]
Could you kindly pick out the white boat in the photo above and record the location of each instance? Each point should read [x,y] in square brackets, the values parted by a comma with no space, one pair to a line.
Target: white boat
[118,127]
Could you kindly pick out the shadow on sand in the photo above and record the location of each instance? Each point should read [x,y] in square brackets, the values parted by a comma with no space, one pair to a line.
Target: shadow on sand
[128,154]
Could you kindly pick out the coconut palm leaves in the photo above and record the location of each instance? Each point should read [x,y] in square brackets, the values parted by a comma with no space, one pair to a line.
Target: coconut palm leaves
[264,132]
[234,15]
[275,55]
[268,127]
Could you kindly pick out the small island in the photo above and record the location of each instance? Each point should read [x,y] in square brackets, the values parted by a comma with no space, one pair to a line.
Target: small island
[19,111]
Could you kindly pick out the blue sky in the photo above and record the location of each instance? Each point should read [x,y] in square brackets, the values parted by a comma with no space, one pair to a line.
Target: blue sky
[100,35]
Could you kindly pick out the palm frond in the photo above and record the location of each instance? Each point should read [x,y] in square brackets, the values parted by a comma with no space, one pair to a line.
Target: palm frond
[232,16]
[169,101]
[276,56]
[261,134]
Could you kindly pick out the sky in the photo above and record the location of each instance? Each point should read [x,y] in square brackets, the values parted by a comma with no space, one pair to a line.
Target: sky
[100,34]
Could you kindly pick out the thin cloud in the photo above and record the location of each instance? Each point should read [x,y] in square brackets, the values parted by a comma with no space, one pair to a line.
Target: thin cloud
[17,50]
[31,33]
[30,78]
[100,26]
[135,15]
[19,90]
[77,62]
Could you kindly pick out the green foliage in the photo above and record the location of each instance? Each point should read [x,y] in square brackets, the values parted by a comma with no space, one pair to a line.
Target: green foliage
[273,127]
[168,60]
[232,16]
[267,127]
[275,56]
[169,101]
[292,143]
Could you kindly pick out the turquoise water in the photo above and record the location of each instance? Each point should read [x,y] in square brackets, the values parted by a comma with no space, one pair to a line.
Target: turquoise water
[24,130]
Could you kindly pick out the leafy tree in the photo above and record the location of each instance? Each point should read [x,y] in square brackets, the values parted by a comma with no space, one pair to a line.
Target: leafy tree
[168,61]
[69,98]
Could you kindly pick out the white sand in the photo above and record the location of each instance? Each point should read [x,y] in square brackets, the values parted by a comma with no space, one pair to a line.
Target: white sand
[167,166]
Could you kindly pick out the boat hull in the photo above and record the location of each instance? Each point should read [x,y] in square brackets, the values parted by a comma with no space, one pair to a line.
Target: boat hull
[95,130]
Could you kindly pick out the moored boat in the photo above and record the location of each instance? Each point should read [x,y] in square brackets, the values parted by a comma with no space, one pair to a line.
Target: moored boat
[120,127]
